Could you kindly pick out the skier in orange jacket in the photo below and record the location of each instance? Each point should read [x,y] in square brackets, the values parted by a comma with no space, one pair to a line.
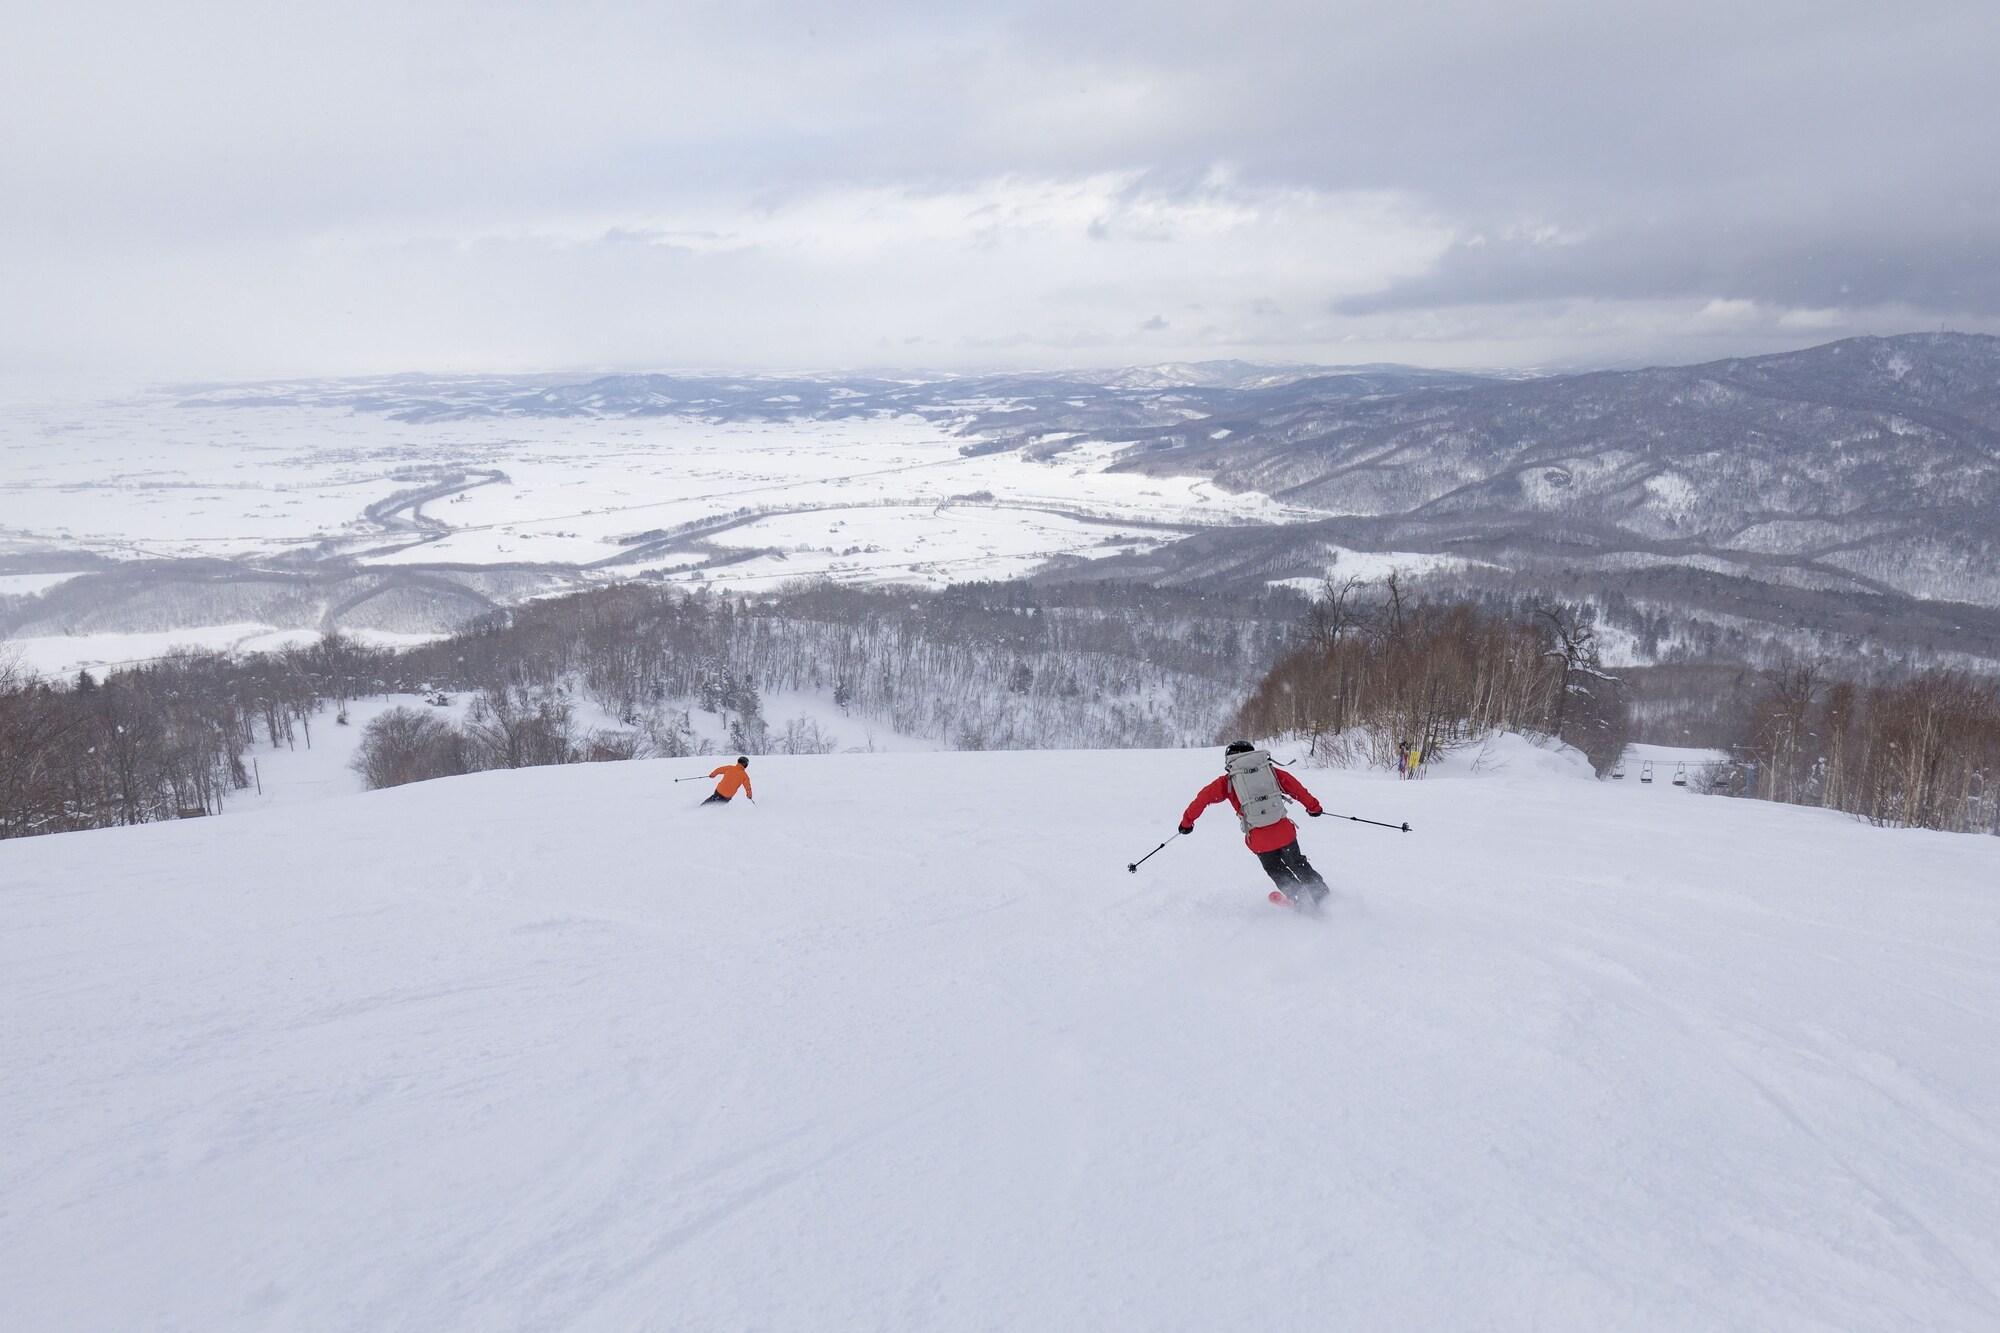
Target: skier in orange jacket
[735,777]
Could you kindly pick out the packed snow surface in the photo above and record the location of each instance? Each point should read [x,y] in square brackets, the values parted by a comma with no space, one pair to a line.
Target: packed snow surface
[903,1045]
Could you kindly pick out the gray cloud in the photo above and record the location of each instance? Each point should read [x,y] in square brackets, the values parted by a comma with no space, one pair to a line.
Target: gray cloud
[1954,275]
[251,187]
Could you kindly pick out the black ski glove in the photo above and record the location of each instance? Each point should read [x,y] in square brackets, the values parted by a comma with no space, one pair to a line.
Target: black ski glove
[1315,813]
[1187,828]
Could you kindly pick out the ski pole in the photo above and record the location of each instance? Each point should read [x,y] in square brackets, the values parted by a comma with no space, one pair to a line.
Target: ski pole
[1134,867]
[702,778]
[1357,819]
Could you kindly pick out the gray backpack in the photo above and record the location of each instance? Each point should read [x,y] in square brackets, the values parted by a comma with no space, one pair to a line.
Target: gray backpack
[1255,783]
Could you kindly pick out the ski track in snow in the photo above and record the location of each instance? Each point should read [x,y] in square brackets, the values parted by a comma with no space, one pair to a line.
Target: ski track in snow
[903,1045]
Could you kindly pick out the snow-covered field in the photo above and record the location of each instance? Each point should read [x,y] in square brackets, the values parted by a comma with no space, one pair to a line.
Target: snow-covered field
[58,655]
[928,544]
[1343,563]
[23,585]
[152,475]
[903,1045]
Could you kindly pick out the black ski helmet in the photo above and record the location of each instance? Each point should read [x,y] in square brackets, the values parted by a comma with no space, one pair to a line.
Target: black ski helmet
[743,761]
[1238,747]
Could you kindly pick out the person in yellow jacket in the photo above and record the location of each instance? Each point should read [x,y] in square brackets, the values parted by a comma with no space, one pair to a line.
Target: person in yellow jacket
[735,777]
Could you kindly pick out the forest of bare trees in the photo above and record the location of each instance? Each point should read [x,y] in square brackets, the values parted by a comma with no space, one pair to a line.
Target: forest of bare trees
[983,666]
[975,667]
[1920,752]
[1001,666]
[504,728]
[1377,669]
[163,740]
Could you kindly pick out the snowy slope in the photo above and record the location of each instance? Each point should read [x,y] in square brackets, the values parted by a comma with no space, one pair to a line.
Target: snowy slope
[323,769]
[903,1045]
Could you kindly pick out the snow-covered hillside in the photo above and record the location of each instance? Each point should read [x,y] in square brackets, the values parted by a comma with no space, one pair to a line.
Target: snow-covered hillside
[903,1045]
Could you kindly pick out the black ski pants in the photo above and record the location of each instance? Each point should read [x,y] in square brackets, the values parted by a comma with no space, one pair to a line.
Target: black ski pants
[1287,866]
[716,798]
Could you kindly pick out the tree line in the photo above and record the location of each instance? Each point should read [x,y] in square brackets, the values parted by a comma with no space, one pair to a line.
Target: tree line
[1013,665]
[1378,668]
[977,666]
[1922,751]
[160,740]
[1707,637]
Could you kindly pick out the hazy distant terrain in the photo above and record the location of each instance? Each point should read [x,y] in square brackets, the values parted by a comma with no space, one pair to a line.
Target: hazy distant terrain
[1821,499]
[253,515]
[1872,463]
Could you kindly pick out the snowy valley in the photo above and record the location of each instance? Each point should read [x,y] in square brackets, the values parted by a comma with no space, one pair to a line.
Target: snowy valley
[1835,502]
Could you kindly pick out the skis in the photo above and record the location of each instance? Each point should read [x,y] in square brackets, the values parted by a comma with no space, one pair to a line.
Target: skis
[1306,903]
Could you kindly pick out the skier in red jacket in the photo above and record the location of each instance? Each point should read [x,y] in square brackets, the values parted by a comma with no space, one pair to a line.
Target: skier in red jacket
[1257,790]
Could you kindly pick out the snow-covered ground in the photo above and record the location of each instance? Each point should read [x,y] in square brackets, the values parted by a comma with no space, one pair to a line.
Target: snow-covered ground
[1345,563]
[903,1045]
[1670,767]
[23,585]
[320,765]
[927,544]
[882,498]
[57,655]
[154,475]
[319,762]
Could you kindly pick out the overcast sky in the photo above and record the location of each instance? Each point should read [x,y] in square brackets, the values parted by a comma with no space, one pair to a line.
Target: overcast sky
[237,190]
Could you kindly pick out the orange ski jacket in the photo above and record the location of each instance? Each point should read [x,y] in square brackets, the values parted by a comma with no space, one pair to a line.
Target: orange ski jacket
[735,778]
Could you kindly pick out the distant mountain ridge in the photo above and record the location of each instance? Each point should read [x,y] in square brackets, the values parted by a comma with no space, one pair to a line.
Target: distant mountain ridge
[1755,491]
[1127,396]
[1877,456]
[1246,375]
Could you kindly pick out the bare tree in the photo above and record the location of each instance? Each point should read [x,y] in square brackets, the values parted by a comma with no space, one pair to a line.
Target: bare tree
[1337,611]
[404,745]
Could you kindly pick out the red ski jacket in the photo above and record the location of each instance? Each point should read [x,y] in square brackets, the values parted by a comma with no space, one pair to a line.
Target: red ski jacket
[1272,836]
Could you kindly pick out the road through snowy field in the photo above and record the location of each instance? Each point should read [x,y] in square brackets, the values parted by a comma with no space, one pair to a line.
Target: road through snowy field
[904,1046]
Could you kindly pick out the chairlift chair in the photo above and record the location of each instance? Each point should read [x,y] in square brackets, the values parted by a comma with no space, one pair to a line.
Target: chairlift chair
[1681,775]
[1646,771]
